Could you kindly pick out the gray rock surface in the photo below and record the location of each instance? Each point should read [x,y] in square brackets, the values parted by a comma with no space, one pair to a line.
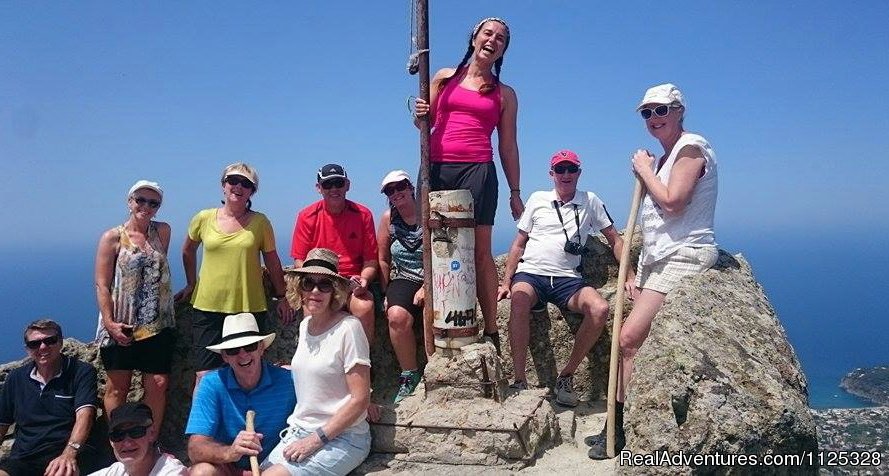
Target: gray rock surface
[717,374]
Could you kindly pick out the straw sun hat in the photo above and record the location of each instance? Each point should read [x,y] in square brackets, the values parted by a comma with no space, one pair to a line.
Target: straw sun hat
[239,330]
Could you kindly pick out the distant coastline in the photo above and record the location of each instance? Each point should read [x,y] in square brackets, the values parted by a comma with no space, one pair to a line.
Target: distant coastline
[869,383]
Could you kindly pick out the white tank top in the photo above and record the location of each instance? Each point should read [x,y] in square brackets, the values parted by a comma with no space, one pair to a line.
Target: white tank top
[663,234]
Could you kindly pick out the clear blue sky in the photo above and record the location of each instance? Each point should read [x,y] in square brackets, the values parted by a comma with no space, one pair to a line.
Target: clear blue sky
[94,95]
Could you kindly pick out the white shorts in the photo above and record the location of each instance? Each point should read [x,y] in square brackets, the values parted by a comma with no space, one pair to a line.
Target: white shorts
[664,274]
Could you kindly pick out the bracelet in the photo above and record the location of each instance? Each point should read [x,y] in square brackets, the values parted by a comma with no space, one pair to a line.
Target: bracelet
[322,435]
[515,190]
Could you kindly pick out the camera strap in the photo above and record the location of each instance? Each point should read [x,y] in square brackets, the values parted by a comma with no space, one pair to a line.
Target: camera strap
[576,220]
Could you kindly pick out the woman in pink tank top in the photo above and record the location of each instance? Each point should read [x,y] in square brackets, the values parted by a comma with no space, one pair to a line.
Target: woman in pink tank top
[468,103]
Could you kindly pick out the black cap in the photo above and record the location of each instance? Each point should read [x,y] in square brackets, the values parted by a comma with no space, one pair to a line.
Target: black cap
[331,171]
[132,413]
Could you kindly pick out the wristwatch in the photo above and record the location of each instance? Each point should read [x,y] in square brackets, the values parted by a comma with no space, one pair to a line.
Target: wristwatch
[75,445]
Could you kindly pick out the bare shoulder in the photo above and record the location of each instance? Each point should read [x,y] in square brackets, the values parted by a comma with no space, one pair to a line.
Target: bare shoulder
[691,151]
[111,236]
[443,73]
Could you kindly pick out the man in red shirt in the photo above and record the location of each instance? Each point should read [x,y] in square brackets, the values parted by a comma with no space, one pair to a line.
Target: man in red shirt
[347,228]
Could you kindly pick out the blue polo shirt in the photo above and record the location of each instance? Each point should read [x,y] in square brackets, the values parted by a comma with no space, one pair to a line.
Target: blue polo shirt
[44,417]
[220,407]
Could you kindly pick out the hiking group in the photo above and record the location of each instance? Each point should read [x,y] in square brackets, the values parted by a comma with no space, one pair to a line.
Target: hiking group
[312,416]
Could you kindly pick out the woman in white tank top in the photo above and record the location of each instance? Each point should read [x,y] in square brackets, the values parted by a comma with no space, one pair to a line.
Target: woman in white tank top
[677,226]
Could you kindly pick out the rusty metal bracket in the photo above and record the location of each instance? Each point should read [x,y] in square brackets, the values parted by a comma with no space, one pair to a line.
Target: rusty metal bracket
[455,332]
[441,221]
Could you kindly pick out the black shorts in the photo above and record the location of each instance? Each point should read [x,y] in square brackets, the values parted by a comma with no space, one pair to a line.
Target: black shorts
[153,355]
[401,293]
[480,178]
[206,329]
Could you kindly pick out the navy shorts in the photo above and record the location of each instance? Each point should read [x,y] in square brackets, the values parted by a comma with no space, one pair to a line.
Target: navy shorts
[206,329]
[555,289]
[480,178]
[401,293]
[153,355]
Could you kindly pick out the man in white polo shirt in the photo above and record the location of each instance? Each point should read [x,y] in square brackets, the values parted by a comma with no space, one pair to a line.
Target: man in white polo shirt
[544,266]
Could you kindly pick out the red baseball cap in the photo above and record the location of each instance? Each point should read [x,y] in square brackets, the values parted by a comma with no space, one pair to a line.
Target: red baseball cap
[564,156]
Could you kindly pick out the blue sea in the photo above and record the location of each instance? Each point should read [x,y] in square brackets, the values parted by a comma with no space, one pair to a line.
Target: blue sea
[826,290]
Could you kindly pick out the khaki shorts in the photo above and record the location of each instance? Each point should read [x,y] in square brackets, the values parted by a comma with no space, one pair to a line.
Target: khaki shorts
[663,275]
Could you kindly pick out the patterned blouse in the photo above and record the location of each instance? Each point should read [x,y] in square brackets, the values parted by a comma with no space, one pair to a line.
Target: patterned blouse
[406,248]
[142,295]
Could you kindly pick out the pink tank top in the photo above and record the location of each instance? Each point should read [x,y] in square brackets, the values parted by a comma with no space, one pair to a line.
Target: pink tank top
[464,122]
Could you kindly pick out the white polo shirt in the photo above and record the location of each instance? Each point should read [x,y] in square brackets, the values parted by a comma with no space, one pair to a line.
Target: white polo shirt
[545,251]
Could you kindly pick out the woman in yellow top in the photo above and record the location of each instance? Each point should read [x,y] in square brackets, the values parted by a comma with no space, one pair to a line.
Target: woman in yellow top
[234,237]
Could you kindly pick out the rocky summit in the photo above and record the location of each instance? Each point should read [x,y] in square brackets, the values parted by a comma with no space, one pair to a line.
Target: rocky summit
[717,374]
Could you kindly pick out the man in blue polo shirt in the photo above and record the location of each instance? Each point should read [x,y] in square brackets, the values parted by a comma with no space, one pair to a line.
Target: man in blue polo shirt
[218,441]
[52,402]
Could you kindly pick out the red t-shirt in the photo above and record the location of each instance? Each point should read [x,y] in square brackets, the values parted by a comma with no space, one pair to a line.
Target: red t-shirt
[350,234]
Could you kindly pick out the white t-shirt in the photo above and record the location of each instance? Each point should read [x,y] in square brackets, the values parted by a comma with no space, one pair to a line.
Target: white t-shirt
[166,465]
[663,234]
[319,368]
[545,251]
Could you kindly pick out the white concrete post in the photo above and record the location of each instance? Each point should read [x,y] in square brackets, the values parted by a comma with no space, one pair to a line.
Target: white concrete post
[455,319]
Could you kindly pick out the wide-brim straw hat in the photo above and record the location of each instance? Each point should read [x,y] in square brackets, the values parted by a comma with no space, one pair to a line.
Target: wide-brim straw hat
[239,330]
[320,261]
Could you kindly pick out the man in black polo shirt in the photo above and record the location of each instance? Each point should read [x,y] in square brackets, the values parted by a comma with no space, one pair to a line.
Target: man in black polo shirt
[52,401]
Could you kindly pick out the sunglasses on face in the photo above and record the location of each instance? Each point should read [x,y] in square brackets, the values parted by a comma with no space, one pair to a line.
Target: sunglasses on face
[659,111]
[323,285]
[238,180]
[49,341]
[135,432]
[562,168]
[142,201]
[398,187]
[333,183]
[237,350]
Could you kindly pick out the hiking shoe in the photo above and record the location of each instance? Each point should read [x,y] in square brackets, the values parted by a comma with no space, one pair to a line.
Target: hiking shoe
[565,391]
[594,440]
[519,385]
[538,306]
[599,450]
[407,383]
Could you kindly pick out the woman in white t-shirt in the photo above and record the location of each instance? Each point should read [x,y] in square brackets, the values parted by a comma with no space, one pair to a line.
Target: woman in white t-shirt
[327,432]
[677,227]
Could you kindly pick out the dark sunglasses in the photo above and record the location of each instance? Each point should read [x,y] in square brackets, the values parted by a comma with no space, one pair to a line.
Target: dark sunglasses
[238,180]
[659,111]
[391,189]
[135,432]
[333,183]
[35,344]
[323,285]
[154,204]
[562,168]
[237,350]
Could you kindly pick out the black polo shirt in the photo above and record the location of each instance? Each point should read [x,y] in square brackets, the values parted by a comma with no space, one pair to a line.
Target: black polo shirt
[44,417]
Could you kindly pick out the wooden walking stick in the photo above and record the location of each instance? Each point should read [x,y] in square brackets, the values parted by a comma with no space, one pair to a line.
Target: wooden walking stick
[254,461]
[618,313]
